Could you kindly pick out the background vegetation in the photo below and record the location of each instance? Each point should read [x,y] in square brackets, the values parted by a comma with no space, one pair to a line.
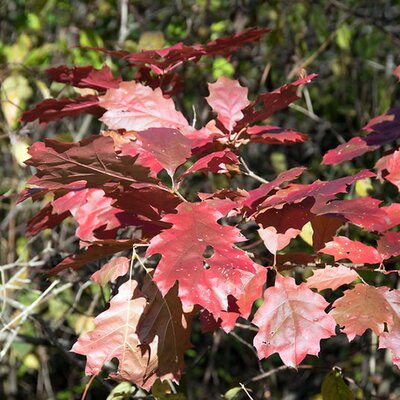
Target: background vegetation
[352,45]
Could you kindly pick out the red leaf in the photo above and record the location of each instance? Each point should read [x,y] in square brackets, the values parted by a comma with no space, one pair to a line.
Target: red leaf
[389,245]
[109,272]
[198,252]
[256,196]
[227,98]
[271,102]
[216,162]
[160,148]
[322,190]
[45,219]
[341,247]
[381,130]
[364,307]
[133,106]
[391,341]
[396,72]
[292,322]
[331,277]
[147,333]
[274,135]
[355,147]
[92,159]
[391,164]
[165,60]
[84,77]
[54,109]
[364,212]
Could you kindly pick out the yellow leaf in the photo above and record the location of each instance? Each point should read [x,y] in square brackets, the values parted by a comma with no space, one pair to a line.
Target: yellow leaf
[151,40]
[307,233]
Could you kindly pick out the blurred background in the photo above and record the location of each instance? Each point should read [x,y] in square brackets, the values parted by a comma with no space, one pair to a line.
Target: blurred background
[353,47]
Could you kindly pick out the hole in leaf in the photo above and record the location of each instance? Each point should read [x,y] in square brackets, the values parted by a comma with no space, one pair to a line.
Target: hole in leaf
[205,265]
[208,252]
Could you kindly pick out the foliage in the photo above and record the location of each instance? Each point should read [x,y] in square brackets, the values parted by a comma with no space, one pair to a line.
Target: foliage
[96,181]
[127,187]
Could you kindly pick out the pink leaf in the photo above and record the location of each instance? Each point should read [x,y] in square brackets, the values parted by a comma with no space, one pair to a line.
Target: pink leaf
[133,106]
[292,322]
[364,307]
[331,277]
[160,148]
[227,98]
[391,164]
[341,247]
[109,272]
[276,241]
[275,135]
[389,245]
[147,333]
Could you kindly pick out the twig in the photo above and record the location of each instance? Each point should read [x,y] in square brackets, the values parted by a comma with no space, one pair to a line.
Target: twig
[250,173]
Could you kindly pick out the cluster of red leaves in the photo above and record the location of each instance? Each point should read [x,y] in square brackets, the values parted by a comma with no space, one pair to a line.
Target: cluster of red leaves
[111,185]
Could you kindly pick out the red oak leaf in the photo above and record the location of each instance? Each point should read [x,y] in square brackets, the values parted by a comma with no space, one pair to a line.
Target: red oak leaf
[227,98]
[160,148]
[110,271]
[364,307]
[267,104]
[341,247]
[391,341]
[55,109]
[322,190]
[198,253]
[84,77]
[292,322]
[165,60]
[364,212]
[381,130]
[94,252]
[324,229]
[216,162]
[240,307]
[135,107]
[256,196]
[331,277]
[147,333]
[92,160]
[274,135]
[391,164]
[389,245]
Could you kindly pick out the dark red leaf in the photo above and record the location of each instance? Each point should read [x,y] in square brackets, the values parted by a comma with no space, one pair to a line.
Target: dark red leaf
[84,77]
[54,109]
[274,135]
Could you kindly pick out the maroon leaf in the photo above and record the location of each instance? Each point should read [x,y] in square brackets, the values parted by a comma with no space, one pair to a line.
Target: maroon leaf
[324,229]
[84,77]
[165,60]
[54,109]
[94,252]
[271,102]
[92,160]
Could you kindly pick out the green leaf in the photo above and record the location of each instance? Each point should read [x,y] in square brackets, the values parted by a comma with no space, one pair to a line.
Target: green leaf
[334,387]
[343,37]
[121,391]
[232,393]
